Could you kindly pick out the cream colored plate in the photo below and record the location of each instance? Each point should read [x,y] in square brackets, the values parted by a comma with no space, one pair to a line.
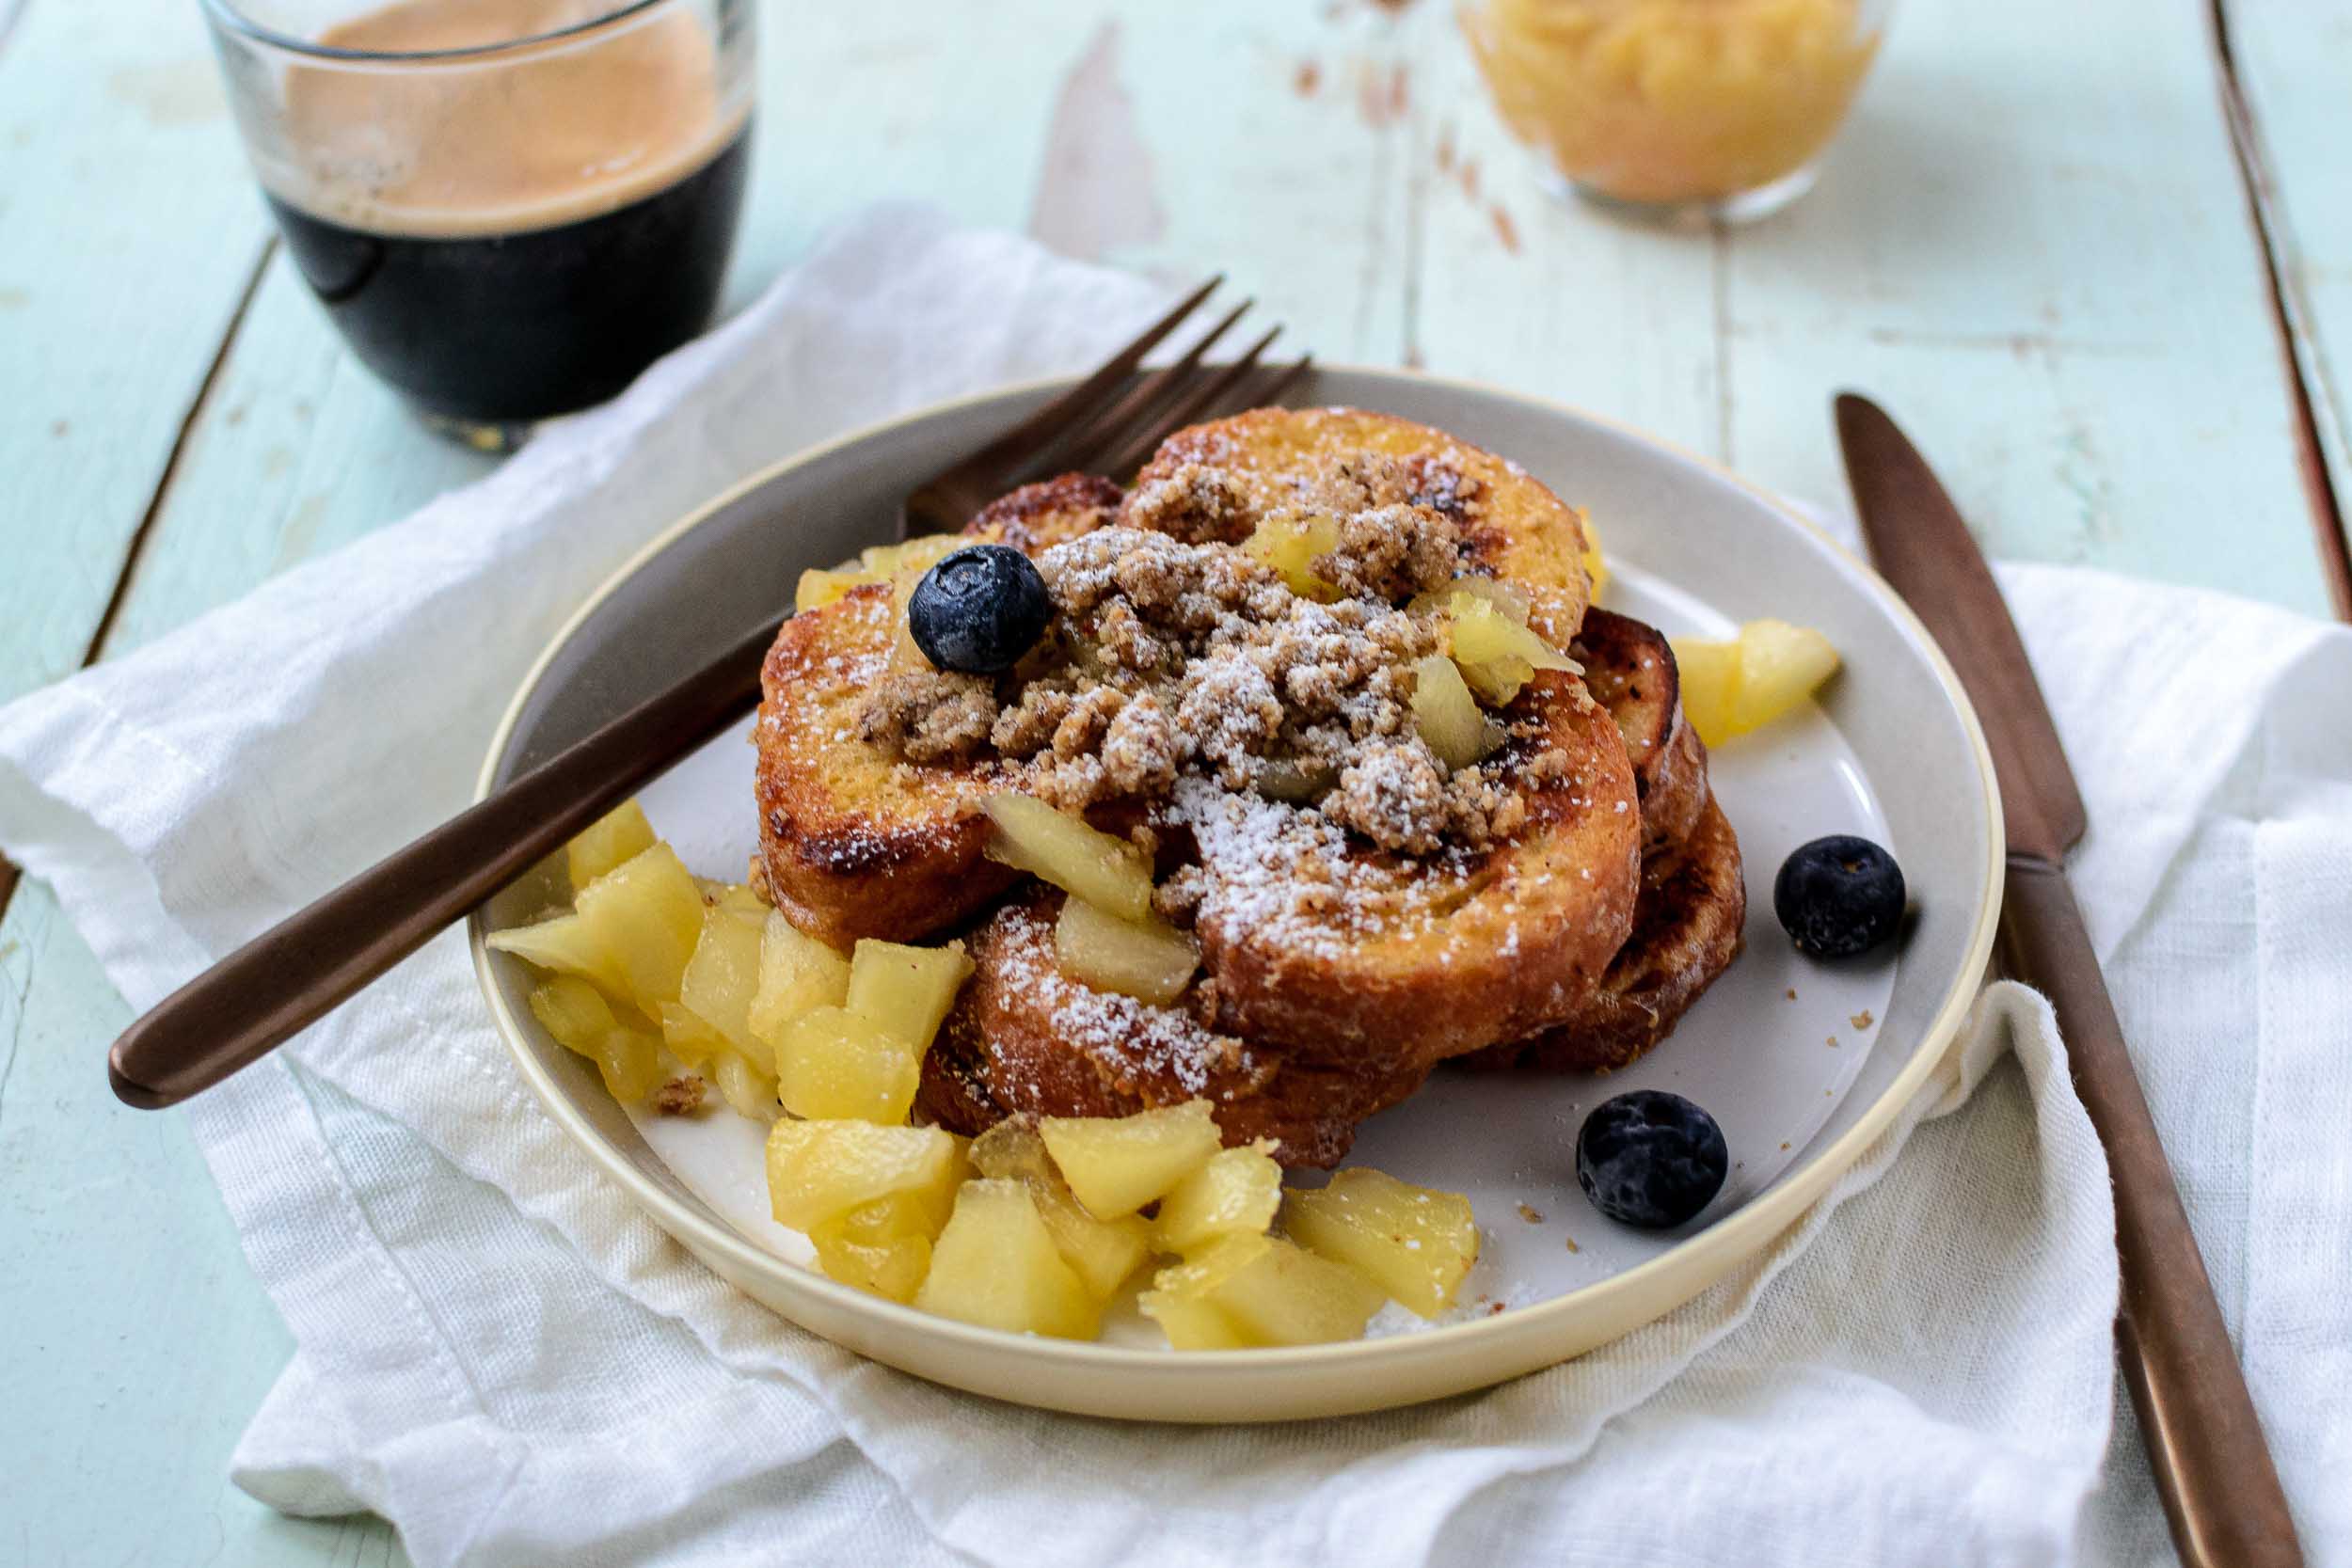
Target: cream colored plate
[1894,753]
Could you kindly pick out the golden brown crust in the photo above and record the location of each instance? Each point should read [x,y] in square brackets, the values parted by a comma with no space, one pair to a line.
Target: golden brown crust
[1630,668]
[850,844]
[1036,517]
[1686,932]
[1025,1040]
[1412,961]
[1512,525]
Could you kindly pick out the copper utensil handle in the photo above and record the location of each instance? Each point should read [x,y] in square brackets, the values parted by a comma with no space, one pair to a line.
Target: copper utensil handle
[298,971]
[2204,1441]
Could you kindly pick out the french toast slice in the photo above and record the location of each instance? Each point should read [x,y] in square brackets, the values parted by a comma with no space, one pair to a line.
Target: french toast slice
[1512,525]
[1630,668]
[1686,932]
[852,845]
[1025,1040]
[1340,953]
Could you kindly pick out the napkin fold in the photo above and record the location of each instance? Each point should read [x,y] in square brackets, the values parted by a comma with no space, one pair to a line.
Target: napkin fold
[496,1351]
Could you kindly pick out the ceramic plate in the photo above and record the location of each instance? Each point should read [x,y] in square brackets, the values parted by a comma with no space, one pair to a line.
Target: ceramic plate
[1803,1063]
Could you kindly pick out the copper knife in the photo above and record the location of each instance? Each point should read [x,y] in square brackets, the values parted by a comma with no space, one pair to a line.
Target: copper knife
[2212,1469]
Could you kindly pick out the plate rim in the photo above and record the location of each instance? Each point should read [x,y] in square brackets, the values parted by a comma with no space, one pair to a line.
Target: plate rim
[1706,1255]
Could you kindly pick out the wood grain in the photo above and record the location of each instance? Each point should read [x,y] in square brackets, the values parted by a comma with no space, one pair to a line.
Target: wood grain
[132,234]
[2033,245]
[2286,68]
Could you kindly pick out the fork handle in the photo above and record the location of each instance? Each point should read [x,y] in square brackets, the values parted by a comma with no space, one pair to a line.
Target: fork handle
[2205,1448]
[298,971]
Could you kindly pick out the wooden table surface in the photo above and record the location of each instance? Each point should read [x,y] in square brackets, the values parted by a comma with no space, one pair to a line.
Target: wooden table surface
[2098,259]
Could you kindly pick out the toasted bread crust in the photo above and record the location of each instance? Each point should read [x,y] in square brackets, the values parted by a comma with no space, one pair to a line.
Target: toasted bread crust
[1630,667]
[1686,932]
[1036,517]
[1463,950]
[1514,528]
[1025,1040]
[850,844]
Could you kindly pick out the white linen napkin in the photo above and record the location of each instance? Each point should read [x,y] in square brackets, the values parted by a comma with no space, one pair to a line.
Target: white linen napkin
[501,1354]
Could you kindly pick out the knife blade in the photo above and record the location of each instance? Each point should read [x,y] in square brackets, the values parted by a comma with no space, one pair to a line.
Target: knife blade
[1919,544]
[2212,1469]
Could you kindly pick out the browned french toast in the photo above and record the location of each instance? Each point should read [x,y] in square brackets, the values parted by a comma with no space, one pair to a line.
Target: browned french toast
[1340,952]
[1027,1039]
[1247,713]
[851,845]
[1228,473]
[1629,668]
[1686,932]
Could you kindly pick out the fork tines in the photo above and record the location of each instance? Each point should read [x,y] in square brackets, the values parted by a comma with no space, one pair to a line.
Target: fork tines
[1110,423]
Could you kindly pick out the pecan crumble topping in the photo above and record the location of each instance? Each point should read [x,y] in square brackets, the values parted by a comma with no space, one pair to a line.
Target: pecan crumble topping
[1174,652]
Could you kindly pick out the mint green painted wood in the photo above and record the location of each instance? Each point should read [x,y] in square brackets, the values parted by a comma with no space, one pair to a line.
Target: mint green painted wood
[2294,67]
[137,1341]
[2032,249]
[2031,244]
[128,232]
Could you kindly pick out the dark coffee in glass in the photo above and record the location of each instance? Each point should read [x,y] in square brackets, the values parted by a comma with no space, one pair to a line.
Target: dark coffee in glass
[508,207]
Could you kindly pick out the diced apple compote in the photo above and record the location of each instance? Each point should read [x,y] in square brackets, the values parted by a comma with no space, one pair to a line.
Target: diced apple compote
[1013,1150]
[1236,1189]
[1595,567]
[581,1020]
[622,834]
[995,1264]
[689,1036]
[884,1246]
[1287,544]
[1286,1295]
[1497,654]
[893,1270]
[819,1170]
[722,976]
[905,991]
[836,1064]
[564,945]
[797,974]
[1730,688]
[1415,1243]
[1117,1165]
[749,1088]
[1148,959]
[1103,1252]
[1182,1299]
[1504,594]
[648,914]
[1032,836]
[1447,714]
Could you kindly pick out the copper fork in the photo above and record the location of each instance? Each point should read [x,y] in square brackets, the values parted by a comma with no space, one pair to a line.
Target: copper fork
[314,961]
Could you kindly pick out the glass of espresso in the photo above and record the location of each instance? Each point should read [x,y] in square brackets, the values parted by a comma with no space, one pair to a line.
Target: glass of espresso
[508,207]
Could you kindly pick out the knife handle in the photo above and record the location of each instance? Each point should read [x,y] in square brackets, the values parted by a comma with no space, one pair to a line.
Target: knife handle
[2205,1445]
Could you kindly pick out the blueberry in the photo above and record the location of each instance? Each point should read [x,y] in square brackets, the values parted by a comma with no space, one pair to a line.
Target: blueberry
[1651,1159]
[1839,896]
[979,610]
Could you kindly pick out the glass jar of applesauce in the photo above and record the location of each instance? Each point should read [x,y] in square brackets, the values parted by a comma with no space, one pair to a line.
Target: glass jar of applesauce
[1710,107]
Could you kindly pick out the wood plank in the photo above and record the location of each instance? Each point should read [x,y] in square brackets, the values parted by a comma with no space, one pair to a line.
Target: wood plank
[123,1414]
[2039,257]
[134,232]
[2292,63]
[1528,289]
[2031,245]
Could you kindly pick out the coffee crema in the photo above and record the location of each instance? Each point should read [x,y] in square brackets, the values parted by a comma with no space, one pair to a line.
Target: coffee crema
[515,233]
[523,136]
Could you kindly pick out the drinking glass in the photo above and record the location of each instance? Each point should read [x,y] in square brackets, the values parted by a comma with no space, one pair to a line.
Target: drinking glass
[509,208]
[1677,109]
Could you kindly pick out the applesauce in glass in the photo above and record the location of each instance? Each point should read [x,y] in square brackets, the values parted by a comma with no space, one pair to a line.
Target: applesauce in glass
[1712,107]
